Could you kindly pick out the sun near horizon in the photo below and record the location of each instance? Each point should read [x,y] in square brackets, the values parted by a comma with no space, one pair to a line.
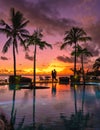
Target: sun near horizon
[61,68]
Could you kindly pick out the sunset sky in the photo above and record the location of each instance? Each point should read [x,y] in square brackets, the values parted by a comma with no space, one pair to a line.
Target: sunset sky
[54,17]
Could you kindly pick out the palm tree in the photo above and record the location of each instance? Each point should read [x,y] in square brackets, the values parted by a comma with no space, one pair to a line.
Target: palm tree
[74,36]
[96,65]
[82,52]
[36,40]
[14,32]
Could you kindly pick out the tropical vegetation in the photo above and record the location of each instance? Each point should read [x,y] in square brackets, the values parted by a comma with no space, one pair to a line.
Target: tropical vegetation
[15,31]
[82,52]
[96,65]
[36,40]
[72,37]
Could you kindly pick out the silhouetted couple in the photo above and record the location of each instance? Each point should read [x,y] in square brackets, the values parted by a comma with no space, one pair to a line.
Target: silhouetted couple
[54,74]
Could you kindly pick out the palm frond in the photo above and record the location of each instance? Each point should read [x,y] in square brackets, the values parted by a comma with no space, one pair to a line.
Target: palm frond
[43,45]
[2,22]
[7,45]
[20,39]
[24,24]
[22,43]
[38,33]
[25,36]
[81,51]
[5,31]
[24,31]
[80,32]
[77,53]
[47,44]
[5,25]
[73,53]
[74,35]
[5,28]
[96,65]
[36,39]
[98,60]
[17,19]
[72,69]
[65,44]
[66,32]
[84,39]
[87,53]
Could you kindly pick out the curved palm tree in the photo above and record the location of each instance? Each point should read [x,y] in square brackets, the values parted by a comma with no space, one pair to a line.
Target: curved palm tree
[82,52]
[36,40]
[14,32]
[96,65]
[74,36]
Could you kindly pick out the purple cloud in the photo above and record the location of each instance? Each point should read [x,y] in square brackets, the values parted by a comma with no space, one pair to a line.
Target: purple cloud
[4,58]
[65,59]
[41,14]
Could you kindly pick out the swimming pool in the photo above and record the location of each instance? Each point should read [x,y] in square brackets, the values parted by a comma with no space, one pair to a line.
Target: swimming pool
[45,106]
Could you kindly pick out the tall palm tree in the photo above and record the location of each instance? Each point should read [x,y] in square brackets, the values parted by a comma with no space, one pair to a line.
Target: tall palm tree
[36,40]
[15,31]
[82,52]
[73,36]
[96,65]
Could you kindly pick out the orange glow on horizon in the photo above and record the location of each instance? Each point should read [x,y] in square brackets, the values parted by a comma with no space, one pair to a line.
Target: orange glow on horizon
[60,67]
[27,68]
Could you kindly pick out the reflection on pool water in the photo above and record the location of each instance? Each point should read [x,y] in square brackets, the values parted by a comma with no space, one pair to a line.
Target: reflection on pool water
[46,106]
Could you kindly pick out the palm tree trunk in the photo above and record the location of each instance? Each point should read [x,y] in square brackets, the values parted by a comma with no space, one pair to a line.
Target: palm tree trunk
[75,97]
[34,73]
[75,62]
[34,85]
[14,93]
[14,59]
[82,69]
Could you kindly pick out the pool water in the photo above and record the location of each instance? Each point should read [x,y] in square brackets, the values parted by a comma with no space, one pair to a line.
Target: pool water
[45,107]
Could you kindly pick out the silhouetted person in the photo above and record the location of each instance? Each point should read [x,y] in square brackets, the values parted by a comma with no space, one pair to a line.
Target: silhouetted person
[54,74]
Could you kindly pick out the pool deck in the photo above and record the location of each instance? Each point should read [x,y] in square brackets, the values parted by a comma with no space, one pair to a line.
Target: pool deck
[44,81]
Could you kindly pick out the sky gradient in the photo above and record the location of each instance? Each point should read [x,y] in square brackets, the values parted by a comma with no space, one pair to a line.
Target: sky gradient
[54,17]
